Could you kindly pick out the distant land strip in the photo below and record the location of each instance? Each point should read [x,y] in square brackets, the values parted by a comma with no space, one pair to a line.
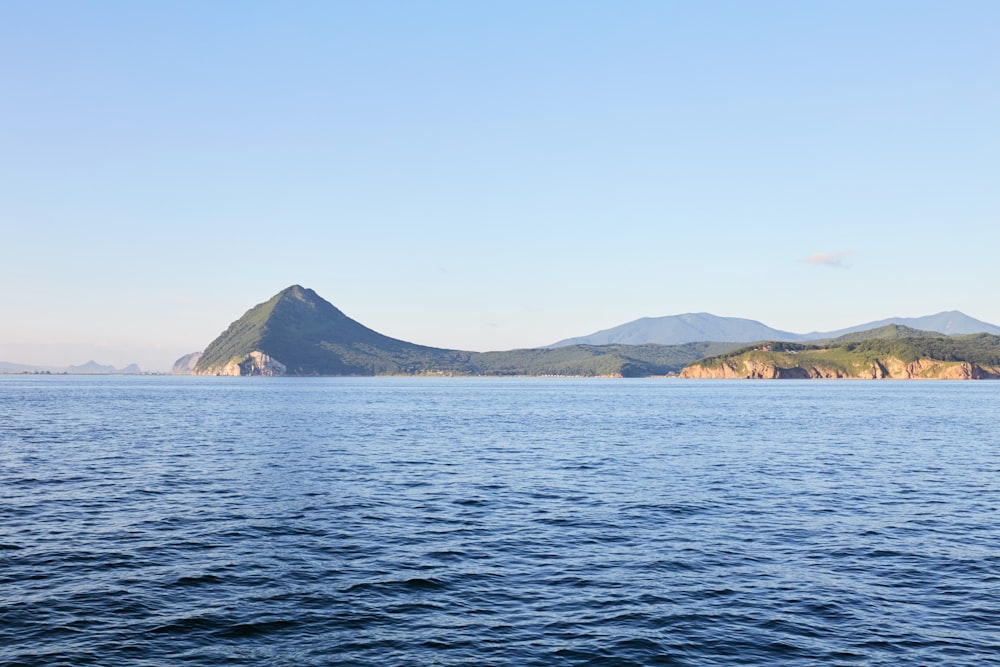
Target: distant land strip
[298,333]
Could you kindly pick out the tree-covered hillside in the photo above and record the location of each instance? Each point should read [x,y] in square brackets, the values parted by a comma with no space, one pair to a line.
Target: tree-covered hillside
[911,356]
[310,336]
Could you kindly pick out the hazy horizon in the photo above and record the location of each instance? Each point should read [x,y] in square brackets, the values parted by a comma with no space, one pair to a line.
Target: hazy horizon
[489,177]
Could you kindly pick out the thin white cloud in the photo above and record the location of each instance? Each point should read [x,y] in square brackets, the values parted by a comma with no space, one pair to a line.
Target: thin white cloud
[835,258]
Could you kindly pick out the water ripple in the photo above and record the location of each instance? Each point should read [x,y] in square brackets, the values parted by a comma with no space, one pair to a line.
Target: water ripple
[150,521]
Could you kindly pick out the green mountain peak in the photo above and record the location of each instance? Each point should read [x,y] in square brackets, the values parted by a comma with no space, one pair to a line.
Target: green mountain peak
[308,335]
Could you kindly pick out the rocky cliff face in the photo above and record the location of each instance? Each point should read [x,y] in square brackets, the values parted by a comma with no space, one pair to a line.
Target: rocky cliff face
[185,365]
[743,368]
[255,363]
[749,367]
[945,370]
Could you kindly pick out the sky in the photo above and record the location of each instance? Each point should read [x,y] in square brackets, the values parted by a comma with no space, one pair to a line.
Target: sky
[490,175]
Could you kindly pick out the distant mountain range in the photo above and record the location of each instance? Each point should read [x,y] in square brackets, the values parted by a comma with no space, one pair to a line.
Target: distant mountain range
[89,368]
[297,332]
[691,327]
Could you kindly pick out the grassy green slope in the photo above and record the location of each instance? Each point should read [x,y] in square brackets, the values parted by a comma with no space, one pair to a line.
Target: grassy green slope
[857,352]
[593,360]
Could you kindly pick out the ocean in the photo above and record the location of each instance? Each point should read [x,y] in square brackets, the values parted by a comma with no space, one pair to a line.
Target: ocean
[474,521]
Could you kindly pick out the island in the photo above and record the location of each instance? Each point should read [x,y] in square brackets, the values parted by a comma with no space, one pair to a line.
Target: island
[298,333]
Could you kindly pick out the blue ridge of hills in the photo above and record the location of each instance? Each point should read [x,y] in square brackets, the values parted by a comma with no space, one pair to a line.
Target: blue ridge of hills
[692,327]
[89,368]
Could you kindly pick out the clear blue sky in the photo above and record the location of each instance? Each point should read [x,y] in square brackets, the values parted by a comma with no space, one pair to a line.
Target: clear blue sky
[485,175]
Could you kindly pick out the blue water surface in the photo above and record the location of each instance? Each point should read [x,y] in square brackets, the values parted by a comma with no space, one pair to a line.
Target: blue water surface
[468,521]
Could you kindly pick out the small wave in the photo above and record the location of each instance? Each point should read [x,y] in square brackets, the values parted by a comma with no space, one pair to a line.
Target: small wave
[258,629]
[446,555]
[421,584]
[389,587]
[198,580]
[187,624]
